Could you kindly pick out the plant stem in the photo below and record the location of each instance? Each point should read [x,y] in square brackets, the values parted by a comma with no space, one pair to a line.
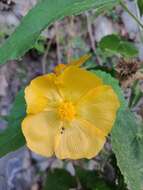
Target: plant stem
[89,27]
[44,59]
[130,13]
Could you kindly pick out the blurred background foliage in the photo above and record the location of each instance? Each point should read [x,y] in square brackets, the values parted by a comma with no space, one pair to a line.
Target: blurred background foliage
[115,41]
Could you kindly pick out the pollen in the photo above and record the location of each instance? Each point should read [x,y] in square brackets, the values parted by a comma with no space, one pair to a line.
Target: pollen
[67,111]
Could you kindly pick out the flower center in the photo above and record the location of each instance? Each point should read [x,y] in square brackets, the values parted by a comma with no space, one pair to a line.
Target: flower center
[66,111]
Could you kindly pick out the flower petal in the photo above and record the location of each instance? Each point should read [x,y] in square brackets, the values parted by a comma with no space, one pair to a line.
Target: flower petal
[80,61]
[60,67]
[76,82]
[40,131]
[80,140]
[99,107]
[40,93]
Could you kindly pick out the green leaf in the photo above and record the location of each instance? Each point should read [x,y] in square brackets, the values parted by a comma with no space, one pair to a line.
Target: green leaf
[42,15]
[59,179]
[90,179]
[127,49]
[127,140]
[127,143]
[110,42]
[12,138]
[136,94]
[115,45]
[140,4]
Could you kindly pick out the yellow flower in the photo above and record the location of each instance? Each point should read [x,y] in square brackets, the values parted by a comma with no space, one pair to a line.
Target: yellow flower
[69,115]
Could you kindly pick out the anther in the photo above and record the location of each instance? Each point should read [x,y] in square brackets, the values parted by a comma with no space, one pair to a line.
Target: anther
[67,111]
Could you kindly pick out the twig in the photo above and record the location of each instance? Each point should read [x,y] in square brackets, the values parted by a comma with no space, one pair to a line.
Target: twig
[71,33]
[89,27]
[130,13]
[58,42]
[44,59]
